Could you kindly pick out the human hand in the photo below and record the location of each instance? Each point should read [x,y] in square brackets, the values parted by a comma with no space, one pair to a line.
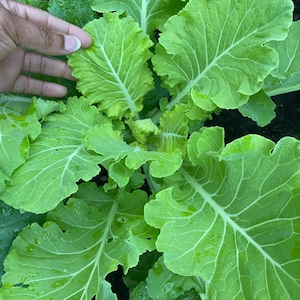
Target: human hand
[28,36]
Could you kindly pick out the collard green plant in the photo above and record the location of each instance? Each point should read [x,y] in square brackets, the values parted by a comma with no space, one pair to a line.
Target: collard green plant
[128,175]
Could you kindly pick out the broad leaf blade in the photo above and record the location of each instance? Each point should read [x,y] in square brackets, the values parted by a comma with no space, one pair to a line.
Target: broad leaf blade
[71,255]
[213,50]
[242,218]
[150,14]
[46,262]
[114,71]
[57,160]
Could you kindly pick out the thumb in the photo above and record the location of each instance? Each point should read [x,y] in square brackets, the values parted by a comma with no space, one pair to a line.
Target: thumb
[26,34]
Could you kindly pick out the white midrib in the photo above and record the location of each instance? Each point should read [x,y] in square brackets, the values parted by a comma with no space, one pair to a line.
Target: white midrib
[69,161]
[171,134]
[219,211]
[144,18]
[124,90]
[96,260]
[291,58]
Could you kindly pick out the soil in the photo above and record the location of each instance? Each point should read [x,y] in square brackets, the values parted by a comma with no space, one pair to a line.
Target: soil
[117,284]
[286,122]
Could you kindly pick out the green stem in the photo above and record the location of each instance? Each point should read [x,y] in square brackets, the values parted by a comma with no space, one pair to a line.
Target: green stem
[14,98]
[154,186]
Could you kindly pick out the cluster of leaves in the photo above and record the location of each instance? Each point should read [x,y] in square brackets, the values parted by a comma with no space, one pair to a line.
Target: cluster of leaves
[126,174]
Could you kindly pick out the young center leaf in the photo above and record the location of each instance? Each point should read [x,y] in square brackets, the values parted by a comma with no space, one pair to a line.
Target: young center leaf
[121,159]
[57,160]
[232,217]
[70,256]
[114,71]
[150,14]
[173,130]
[214,50]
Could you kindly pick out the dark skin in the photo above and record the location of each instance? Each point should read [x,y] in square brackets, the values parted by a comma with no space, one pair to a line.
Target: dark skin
[25,27]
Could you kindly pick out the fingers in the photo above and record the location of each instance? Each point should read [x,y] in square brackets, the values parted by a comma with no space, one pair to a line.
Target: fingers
[41,32]
[31,86]
[26,27]
[20,61]
[31,36]
[39,64]
[45,20]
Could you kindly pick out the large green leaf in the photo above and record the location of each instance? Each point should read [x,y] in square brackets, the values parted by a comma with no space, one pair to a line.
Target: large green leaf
[150,14]
[56,161]
[70,256]
[114,71]
[239,206]
[215,50]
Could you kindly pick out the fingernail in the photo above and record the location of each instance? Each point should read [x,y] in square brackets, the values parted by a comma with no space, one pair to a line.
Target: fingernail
[72,43]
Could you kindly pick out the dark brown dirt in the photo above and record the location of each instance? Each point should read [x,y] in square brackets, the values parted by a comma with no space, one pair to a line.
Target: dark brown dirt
[286,123]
